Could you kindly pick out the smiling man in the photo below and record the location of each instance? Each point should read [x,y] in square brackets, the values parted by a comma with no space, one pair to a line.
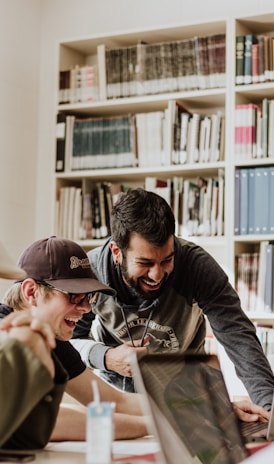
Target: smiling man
[58,288]
[165,287]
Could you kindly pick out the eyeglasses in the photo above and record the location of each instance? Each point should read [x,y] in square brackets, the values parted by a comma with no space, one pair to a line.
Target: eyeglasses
[74,298]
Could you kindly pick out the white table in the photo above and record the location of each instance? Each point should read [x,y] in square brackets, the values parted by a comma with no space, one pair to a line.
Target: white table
[75,452]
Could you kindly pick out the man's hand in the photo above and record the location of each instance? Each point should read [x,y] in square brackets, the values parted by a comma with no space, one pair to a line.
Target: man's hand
[26,318]
[119,359]
[36,334]
[250,412]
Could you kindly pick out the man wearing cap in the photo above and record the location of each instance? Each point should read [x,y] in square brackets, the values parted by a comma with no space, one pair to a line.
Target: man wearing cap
[59,286]
[29,374]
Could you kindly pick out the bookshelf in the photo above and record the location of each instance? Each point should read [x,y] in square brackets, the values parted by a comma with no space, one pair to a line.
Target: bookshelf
[258,93]
[215,97]
[205,102]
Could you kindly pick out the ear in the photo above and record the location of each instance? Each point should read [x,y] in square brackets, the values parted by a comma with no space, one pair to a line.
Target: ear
[116,252]
[29,291]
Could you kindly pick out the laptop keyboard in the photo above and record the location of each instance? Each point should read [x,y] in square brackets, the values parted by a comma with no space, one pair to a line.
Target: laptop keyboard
[248,428]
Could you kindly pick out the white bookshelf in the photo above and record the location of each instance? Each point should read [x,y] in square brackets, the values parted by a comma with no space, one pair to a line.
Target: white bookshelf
[84,50]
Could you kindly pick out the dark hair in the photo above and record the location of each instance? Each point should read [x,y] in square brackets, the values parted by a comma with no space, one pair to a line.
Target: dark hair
[144,213]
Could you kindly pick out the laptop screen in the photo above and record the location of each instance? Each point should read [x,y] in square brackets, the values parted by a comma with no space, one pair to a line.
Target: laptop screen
[190,392]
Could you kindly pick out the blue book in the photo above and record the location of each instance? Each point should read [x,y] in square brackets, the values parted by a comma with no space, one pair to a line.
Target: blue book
[244,201]
[268,290]
[261,200]
[271,205]
[237,202]
[249,40]
[251,197]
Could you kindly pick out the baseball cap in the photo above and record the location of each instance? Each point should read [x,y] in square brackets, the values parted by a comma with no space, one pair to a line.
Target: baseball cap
[8,269]
[63,264]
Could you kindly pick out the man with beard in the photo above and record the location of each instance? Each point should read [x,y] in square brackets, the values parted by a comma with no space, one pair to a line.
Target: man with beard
[164,288]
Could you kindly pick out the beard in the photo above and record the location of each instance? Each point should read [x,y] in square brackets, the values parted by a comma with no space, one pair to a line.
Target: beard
[134,284]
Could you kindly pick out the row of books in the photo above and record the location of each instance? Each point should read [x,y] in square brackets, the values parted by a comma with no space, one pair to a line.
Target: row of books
[158,138]
[254,137]
[152,68]
[93,143]
[266,337]
[197,205]
[85,215]
[254,278]
[78,84]
[254,58]
[254,190]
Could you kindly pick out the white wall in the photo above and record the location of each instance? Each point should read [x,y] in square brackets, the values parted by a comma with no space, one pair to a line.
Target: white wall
[19,79]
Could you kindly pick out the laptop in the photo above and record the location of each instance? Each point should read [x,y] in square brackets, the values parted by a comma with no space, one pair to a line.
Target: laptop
[192,416]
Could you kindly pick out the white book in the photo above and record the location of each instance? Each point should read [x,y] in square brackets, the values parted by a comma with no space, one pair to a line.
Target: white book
[193,139]
[183,139]
[261,276]
[220,217]
[102,77]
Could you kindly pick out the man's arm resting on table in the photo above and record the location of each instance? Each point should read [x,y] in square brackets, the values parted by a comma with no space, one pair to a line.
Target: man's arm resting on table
[31,391]
[71,424]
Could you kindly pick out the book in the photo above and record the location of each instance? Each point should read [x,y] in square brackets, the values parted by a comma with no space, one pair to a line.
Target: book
[237,180]
[215,136]
[245,131]
[270,229]
[243,278]
[264,129]
[249,40]
[239,63]
[202,58]
[244,201]
[187,69]
[60,142]
[261,200]
[152,146]
[255,63]
[268,290]
[261,58]
[261,276]
[193,138]
[185,117]
[251,201]
[174,118]
[102,77]
[220,212]
[253,283]
[270,126]
[86,222]
[216,45]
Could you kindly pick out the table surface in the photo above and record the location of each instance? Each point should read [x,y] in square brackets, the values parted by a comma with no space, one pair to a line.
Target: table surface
[75,452]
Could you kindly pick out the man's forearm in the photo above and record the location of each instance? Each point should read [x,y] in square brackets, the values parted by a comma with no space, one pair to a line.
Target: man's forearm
[91,352]
[71,424]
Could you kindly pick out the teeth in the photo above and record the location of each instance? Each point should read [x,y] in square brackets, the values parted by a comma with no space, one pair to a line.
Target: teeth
[71,319]
[151,284]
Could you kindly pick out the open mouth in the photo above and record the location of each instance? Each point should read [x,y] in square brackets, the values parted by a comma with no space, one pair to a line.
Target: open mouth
[71,322]
[151,285]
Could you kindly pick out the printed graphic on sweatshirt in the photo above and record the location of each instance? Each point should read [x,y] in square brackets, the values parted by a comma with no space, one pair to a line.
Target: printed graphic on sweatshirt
[161,337]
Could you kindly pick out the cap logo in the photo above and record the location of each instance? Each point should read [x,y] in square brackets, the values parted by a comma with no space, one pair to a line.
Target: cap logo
[77,262]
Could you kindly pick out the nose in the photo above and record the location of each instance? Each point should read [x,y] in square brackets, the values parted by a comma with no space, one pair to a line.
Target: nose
[83,307]
[156,272]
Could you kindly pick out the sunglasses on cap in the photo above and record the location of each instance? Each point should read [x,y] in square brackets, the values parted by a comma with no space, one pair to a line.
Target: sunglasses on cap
[74,298]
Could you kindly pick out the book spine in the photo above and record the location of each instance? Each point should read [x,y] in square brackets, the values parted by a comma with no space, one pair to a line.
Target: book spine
[237,191]
[243,201]
[249,40]
[60,142]
[239,64]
